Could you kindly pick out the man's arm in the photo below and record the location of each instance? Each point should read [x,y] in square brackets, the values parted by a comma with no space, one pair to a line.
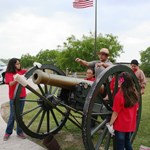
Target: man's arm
[82,62]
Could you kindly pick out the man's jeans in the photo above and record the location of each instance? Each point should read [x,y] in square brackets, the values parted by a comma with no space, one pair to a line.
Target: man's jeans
[10,124]
[122,140]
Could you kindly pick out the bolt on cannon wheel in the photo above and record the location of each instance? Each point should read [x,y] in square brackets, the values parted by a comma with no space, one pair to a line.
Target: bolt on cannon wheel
[38,118]
[97,137]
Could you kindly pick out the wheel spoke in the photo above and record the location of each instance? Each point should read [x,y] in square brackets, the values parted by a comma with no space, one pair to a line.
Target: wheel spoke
[35,92]
[98,127]
[26,112]
[107,144]
[30,100]
[34,118]
[101,137]
[41,89]
[46,89]
[54,117]
[50,89]
[48,123]
[54,91]
[41,120]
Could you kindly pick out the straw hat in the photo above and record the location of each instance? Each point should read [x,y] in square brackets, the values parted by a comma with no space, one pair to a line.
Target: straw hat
[103,50]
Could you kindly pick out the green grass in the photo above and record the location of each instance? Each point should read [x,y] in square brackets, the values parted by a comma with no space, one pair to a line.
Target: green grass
[143,135]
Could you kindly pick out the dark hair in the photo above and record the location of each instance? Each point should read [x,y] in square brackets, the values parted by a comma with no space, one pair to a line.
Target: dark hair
[11,65]
[135,62]
[129,91]
[90,68]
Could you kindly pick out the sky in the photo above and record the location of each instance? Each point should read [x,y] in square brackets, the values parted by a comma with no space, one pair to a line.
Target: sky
[28,26]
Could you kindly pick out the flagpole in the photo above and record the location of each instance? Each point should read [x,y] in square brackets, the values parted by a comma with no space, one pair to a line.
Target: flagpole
[95,44]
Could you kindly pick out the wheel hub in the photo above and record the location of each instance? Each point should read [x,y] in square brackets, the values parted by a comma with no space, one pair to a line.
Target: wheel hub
[45,105]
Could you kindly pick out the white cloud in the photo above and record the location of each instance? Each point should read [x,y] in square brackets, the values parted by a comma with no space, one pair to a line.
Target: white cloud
[135,41]
[27,33]
[29,26]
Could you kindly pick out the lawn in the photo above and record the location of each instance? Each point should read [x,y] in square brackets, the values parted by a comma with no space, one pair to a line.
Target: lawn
[70,137]
[143,135]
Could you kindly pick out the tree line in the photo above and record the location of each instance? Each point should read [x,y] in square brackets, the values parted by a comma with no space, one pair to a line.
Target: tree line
[63,56]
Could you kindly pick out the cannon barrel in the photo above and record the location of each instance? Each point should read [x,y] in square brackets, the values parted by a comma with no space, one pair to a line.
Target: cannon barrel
[40,77]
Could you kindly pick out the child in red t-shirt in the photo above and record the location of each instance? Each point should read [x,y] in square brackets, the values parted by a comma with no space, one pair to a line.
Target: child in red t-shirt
[125,107]
[13,68]
[90,74]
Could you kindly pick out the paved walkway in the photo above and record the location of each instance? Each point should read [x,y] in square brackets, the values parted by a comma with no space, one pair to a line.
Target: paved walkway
[14,143]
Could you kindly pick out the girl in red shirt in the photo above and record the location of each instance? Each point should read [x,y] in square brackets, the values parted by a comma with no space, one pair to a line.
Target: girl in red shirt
[124,114]
[13,68]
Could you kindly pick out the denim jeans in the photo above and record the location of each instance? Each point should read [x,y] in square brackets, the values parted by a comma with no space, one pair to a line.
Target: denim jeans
[122,140]
[10,124]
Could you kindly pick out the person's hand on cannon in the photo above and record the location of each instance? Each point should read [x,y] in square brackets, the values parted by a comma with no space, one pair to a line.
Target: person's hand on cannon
[21,79]
[110,129]
[37,64]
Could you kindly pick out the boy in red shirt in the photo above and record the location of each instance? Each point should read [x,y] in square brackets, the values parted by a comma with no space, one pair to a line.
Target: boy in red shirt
[13,68]
[124,114]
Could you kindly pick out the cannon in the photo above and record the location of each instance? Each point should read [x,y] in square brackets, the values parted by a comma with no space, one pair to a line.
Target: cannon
[55,98]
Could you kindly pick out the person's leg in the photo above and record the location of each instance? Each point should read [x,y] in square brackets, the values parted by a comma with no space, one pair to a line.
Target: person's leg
[128,145]
[120,140]
[19,130]
[10,124]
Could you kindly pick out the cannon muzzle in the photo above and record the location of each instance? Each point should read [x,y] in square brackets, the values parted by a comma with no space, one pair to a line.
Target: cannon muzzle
[40,77]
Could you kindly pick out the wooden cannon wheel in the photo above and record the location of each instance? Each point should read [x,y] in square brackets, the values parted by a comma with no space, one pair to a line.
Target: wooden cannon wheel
[38,118]
[99,138]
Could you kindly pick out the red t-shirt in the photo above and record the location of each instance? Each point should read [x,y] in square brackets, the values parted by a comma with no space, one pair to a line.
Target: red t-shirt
[126,120]
[112,84]
[9,77]
[90,79]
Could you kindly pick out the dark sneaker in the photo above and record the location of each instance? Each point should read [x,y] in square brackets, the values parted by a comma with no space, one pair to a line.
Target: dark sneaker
[22,136]
[6,137]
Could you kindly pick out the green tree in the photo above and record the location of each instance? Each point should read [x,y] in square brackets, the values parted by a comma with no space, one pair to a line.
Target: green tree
[145,61]
[47,56]
[84,49]
[27,60]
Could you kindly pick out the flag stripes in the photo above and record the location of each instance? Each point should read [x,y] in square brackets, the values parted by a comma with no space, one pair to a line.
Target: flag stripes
[82,3]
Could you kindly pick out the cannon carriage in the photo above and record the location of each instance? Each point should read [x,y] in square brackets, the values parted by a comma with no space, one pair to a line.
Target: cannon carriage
[56,98]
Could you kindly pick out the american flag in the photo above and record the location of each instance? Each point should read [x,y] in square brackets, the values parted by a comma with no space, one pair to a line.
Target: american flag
[82,3]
